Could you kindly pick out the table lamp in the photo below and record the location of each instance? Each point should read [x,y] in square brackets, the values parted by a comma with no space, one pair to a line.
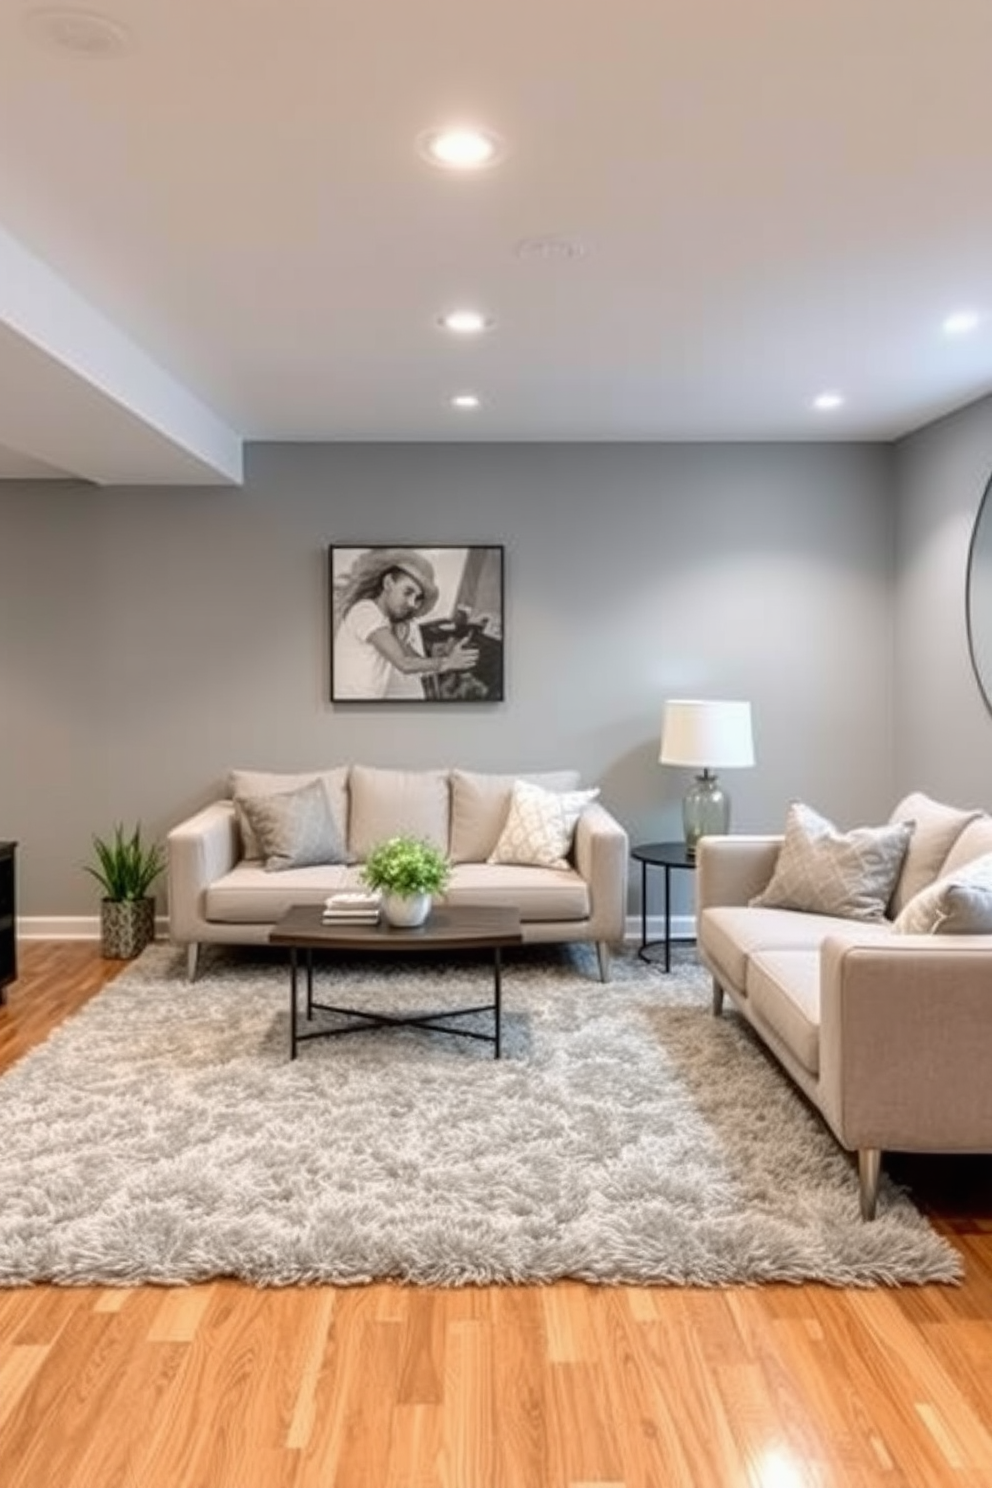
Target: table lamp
[707,735]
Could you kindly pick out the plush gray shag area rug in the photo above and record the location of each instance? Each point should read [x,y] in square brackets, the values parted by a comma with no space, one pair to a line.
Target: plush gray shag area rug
[163,1135]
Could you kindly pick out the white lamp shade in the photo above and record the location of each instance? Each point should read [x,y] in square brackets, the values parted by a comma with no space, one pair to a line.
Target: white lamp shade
[709,734]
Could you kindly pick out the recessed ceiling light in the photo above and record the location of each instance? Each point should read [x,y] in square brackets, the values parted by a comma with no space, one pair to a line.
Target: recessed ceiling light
[466,322]
[465,400]
[461,148]
[83,33]
[826,401]
[961,322]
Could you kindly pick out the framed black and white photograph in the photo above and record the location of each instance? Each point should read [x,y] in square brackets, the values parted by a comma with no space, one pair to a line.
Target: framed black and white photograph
[416,624]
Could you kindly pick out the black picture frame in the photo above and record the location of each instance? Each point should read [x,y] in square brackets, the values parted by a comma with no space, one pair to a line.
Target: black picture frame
[456,622]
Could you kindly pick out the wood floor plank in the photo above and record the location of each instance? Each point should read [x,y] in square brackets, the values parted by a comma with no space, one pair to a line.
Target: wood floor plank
[315,1333]
[180,1314]
[518,1351]
[468,1422]
[19,1364]
[229,1386]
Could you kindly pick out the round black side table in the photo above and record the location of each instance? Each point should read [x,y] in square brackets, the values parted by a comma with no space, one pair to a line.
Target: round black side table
[669,856]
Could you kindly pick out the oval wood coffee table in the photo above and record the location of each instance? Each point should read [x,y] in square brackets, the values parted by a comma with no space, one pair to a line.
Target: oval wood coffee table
[449,928]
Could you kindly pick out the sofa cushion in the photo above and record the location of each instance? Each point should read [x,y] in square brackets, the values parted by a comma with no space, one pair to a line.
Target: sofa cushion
[294,829]
[250,896]
[828,872]
[783,990]
[731,934]
[396,803]
[268,782]
[539,893]
[936,828]
[480,805]
[975,841]
[960,903]
[540,825]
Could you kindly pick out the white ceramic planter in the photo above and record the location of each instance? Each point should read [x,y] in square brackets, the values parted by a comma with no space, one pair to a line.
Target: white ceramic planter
[406,911]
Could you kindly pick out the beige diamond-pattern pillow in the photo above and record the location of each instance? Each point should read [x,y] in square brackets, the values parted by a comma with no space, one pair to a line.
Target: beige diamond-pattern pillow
[540,825]
[825,871]
[295,829]
[960,904]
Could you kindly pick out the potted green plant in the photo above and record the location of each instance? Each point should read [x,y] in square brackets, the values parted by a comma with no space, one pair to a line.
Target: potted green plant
[407,872]
[125,868]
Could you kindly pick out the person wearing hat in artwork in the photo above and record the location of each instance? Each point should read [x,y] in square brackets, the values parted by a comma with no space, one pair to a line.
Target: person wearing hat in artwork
[377,650]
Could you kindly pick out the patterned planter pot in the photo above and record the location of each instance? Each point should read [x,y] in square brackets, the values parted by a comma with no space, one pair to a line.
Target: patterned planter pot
[127,926]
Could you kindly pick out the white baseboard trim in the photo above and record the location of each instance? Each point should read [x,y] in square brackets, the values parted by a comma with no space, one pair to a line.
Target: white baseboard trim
[72,927]
[87,927]
[683,928]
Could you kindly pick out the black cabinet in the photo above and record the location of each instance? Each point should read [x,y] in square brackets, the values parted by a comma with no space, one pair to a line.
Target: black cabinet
[8,918]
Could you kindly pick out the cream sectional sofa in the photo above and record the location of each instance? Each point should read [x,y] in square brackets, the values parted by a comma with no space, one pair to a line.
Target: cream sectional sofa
[220,895]
[888,1033]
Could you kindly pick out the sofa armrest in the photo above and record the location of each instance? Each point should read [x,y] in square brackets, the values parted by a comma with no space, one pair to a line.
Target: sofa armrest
[732,870]
[601,855]
[199,850]
[906,1041]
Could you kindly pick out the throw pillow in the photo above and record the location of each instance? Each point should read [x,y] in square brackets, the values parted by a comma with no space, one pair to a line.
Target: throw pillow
[480,805]
[936,828]
[960,904]
[540,825]
[268,783]
[295,829]
[397,803]
[975,842]
[825,871]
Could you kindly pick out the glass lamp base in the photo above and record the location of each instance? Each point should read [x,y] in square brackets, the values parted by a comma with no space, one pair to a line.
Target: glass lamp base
[705,811]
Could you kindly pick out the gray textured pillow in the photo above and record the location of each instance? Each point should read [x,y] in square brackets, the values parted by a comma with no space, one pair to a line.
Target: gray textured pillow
[269,783]
[960,904]
[824,871]
[295,829]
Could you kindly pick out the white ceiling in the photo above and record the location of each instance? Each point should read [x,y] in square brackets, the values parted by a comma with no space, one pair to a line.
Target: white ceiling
[226,232]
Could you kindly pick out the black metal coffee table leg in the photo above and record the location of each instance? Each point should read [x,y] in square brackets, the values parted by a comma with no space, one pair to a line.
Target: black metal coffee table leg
[363,1019]
[292,1001]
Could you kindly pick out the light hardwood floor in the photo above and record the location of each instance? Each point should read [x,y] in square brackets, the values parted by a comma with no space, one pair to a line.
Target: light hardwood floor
[568,1386]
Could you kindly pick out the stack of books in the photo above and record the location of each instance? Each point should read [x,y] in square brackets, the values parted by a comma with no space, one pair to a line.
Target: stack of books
[352,907]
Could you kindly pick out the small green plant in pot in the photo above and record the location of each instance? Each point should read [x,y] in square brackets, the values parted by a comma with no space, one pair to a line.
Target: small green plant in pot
[408,872]
[125,868]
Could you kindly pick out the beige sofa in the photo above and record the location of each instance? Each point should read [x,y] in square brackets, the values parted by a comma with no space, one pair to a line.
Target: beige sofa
[218,895]
[889,1034]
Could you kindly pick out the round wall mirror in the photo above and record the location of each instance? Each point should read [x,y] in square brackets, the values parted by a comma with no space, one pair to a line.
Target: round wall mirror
[980,597]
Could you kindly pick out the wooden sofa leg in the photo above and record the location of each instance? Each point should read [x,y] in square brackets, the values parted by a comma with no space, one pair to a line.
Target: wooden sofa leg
[603,952]
[869,1173]
[192,960]
[717,998]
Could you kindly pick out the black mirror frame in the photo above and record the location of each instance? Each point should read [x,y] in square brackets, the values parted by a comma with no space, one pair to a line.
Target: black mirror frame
[984,516]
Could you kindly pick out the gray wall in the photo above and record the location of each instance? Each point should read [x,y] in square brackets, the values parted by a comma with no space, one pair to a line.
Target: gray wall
[152,638]
[943,728]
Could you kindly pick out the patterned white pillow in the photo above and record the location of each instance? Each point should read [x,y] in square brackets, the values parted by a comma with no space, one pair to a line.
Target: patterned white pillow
[824,871]
[295,829]
[960,904]
[540,825]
